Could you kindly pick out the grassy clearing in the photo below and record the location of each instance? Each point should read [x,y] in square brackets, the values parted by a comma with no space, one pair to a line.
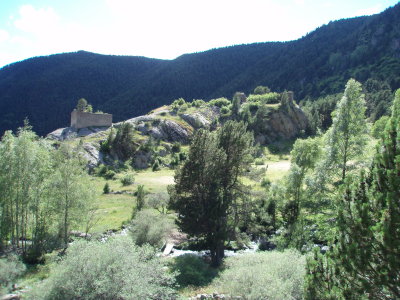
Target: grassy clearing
[115,209]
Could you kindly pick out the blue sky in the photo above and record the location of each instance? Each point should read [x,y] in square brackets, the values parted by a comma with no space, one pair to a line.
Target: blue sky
[161,28]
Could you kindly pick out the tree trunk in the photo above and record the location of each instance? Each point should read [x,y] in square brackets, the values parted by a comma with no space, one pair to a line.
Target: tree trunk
[66,222]
[217,254]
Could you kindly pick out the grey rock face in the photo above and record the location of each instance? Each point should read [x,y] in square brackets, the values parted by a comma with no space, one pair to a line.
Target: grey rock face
[142,160]
[93,156]
[196,120]
[68,133]
[136,121]
[173,132]
[283,124]
[62,134]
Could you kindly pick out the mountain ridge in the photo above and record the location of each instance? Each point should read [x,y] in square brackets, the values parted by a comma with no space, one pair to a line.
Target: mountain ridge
[45,89]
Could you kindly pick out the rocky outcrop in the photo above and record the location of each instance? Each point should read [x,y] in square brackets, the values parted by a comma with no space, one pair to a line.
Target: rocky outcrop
[136,121]
[68,133]
[142,160]
[196,120]
[174,132]
[93,156]
[285,123]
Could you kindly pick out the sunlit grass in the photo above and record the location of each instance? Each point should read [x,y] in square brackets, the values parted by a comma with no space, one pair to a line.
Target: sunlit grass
[115,209]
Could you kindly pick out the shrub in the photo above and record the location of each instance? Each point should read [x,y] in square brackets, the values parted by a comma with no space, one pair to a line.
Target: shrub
[225,111]
[158,201]
[198,103]
[265,182]
[127,179]
[259,162]
[156,122]
[182,156]
[261,90]
[110,174]
[156,165]
[220,102]
[150,228]
[264,275]
[270,98]
[192,270]
[116,269]
[11,267]
[176,147]
[106,188]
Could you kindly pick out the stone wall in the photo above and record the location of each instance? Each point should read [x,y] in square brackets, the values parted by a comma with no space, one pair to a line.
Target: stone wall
[83,119]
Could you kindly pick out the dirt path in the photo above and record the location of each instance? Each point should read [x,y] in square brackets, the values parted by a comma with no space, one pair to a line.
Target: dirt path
[163,180]
[283,165]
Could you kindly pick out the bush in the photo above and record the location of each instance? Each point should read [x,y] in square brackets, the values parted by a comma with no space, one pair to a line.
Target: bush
[225,111]
[220,102]
[150,228]
[264,275]
[116,269]
[106,188]
[270,98]
[176,147]
[265,182]
[158,201]
[198,103]
[156,165]
[261,90]
[110,174]
[259,162]
[192,270]
[182,156]
[101,170]
[11,267]
[127,179]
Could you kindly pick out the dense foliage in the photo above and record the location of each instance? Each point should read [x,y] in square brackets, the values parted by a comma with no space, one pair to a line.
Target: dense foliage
[364,262]
[46,89]
[44,193]
[11,267]
[116,269]
[267,275]
[208,191]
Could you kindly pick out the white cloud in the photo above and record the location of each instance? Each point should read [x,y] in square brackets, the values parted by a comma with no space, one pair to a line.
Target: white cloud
[299,2]
[37,21]
[4,35]
[369,11]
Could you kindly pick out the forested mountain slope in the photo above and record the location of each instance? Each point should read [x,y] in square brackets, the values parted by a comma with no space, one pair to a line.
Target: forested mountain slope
[45,89]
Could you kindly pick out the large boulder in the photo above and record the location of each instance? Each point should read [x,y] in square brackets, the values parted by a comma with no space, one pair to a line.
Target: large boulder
[142,160]
[172,131]
[68,133]
[93,156]
[285,123]
[196,120]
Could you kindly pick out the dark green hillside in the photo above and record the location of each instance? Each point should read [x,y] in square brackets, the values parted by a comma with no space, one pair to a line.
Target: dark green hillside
[45,89]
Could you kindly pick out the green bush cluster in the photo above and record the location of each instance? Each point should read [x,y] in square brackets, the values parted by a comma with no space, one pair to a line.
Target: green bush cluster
[270,98]
[220,102]
[116,269]
[10,268]
[150,228]
[127,179]
[265,275]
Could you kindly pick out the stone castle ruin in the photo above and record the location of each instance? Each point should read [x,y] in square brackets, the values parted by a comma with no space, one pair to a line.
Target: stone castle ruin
[80,119]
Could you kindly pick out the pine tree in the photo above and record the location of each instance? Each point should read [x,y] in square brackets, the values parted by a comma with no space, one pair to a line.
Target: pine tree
[208,190]
[347,137]
[366,258]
